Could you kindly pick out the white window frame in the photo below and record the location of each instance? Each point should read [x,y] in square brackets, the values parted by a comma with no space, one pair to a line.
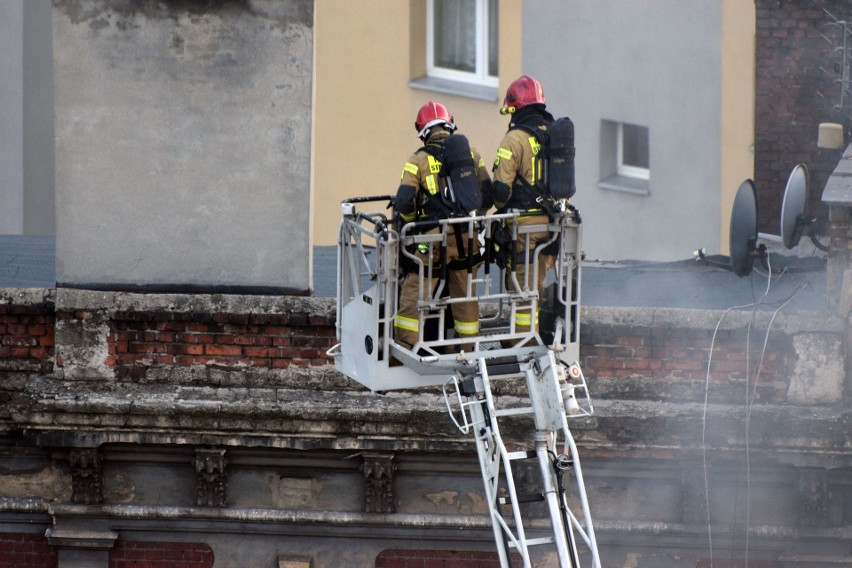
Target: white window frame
[480,76]
[628,170]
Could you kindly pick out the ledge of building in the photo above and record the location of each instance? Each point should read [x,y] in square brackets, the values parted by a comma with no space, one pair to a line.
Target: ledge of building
[27,296]
[302,418]
[75,299]
[110,302]
[318,408]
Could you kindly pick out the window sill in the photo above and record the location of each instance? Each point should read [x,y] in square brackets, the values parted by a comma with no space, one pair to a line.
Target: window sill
[626,184]
[458,88]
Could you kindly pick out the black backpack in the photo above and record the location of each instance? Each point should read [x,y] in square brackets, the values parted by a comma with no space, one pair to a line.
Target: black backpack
[462,194]
[560,159]
[557,158]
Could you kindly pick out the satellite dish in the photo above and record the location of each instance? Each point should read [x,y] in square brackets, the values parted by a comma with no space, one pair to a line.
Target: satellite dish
[794,224]
[743,235]
[793,206]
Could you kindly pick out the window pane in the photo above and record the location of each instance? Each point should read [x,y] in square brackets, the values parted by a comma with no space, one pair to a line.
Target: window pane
[455,34]
[635,146]
[493,69]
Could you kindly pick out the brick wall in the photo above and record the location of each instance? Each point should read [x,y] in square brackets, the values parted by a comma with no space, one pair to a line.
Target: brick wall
[26,341]
[160,555]
[19,550]
[157,340]
[400,558]
[668,353]
[141,340]
[154,337]
[727,563]
[796,89]
[33,551]
[26,336]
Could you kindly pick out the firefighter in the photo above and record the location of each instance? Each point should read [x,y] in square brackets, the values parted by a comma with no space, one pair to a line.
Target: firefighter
[518,183]
[423,196]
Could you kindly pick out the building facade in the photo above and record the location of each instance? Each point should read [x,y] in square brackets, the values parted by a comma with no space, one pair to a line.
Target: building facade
[661,94]
[368,95]
[170,427]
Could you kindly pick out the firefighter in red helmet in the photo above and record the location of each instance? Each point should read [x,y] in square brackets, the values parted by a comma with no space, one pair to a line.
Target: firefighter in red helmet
[422,196]
[516,174]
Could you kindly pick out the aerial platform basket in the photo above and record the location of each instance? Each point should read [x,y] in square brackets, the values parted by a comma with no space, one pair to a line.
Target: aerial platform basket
[373,252]
[370,249]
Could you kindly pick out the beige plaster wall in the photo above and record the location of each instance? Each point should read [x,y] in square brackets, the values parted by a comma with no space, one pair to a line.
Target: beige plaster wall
[367,52]
[738,93]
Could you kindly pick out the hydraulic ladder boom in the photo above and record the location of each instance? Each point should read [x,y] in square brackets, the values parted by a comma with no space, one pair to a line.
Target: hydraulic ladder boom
[472,406]
[371,252]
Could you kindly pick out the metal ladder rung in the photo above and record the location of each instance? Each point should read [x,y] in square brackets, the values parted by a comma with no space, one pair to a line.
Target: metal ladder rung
[541,540]
[525,498]
[520,455]
[536,541]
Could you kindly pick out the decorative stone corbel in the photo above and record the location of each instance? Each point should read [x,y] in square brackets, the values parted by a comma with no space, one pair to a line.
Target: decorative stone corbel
[86,477]
[210,464]
[813,493]
[378,472]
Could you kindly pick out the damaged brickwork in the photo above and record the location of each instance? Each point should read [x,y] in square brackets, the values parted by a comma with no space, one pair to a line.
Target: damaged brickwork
[245,341]
[280,419]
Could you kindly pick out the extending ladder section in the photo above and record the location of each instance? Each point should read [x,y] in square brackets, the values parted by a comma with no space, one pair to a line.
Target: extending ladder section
[374,253]
[552,387]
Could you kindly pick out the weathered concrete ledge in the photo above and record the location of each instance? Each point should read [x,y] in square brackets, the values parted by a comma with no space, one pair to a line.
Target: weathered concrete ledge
[27,296]
[69,299]
[356,419]
[231,370]
[787,322]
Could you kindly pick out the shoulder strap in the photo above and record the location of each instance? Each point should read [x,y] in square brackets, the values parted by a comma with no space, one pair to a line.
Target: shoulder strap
[537,190]
[531,125]
[434,150]
[539,134]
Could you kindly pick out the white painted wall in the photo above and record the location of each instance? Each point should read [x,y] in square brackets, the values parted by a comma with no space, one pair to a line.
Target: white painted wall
[655,63]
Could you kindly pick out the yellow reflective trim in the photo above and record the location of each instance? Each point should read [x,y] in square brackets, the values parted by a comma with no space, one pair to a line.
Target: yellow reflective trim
[524,217]
[534,144]
[467,327]
[403,322]
[410,168]
[434,165]
[524,319]
[503,153]
[431,186]
[535,165]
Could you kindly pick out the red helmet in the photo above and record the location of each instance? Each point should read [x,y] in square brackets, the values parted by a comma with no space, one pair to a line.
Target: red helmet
[522,92]
[432,114]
